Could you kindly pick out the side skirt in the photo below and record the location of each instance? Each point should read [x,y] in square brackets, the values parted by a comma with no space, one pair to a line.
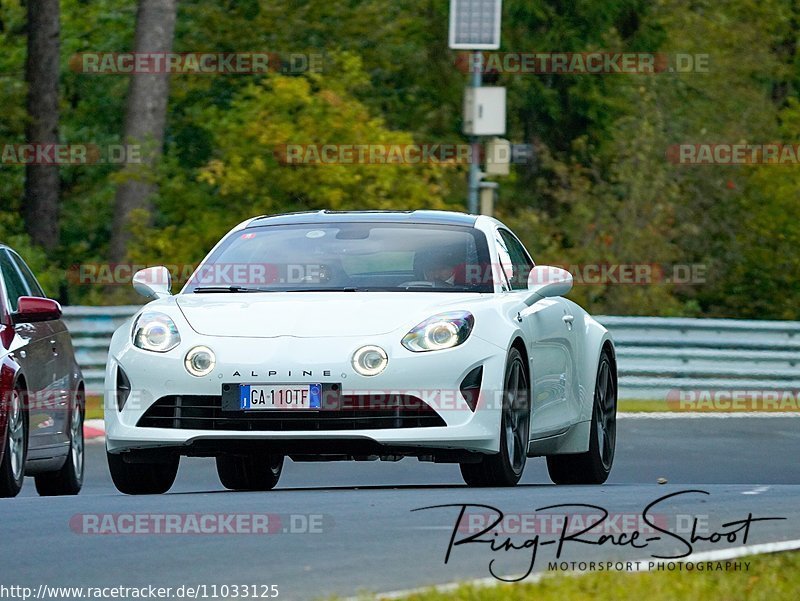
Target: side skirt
[574,440]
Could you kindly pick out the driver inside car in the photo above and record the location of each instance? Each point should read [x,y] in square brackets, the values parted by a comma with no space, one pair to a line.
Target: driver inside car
[439,269]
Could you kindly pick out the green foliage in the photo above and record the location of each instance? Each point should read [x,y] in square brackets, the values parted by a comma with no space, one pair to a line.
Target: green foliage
[612,197]
[245,176]
[620,218]
[765,278]
[600,191]
[13,117]
[47,272]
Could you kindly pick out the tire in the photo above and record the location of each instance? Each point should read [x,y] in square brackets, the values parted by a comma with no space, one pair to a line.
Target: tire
[142,478]
[12,468]
[249,472]
[505,468]
[69,479]
[594,466]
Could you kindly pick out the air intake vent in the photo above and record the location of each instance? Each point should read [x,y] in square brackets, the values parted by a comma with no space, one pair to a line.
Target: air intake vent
[357,412]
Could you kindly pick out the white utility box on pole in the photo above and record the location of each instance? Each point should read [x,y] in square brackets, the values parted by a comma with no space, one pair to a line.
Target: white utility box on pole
[498,157]
[485,111]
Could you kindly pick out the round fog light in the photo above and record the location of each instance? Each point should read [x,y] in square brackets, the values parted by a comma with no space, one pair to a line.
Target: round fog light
[370,360]
[200,361]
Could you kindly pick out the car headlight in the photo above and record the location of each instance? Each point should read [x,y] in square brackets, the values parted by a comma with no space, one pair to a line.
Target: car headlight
[442,331]
[370,360]
[155,332]
[200,361]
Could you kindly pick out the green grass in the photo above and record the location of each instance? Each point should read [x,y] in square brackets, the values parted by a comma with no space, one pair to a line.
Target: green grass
[645,406]
[94,407]
[770,578]
[642,406]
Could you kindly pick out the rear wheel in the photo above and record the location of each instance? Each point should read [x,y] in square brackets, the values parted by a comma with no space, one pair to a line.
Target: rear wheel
[594,466]
[133,475]
[69,479]
[12,468]
[249,472]
[505,468]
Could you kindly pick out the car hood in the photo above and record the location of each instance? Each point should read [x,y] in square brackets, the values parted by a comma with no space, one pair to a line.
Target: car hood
[313,314]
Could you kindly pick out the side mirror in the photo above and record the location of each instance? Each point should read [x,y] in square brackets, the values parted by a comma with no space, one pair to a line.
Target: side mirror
[545,281]
[153,282]
[31,309]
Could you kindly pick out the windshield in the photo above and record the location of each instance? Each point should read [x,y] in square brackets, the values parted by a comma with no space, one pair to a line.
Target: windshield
[347,257]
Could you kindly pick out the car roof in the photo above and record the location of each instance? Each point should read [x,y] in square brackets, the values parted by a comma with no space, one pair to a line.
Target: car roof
[312,217]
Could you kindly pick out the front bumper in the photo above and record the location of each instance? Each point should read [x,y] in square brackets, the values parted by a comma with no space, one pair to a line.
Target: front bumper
[433,377]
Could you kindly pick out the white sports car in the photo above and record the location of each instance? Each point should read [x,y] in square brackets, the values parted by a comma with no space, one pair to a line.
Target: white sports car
[361,335]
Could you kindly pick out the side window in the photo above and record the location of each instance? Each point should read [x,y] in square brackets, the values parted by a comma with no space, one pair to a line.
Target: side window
[15,287]
[521,263]
[34,289]
[504,270]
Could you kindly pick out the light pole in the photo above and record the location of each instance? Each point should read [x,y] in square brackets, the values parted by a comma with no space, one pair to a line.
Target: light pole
[475,26]
[475,174]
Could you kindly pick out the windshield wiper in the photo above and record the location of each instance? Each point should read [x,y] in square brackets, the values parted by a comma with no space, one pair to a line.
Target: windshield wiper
[202,289]
[343,289]
[227,289]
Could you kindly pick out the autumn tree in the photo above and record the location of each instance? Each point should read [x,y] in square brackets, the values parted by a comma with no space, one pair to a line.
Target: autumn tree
[145,120]
[40,209]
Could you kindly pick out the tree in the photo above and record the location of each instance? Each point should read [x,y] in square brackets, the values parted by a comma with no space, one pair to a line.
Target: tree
[145,120]
[40,209]
[247,176]
[600,190]
[762,283]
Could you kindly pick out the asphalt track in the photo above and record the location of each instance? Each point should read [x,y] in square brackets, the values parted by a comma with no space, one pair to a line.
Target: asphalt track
[371,540]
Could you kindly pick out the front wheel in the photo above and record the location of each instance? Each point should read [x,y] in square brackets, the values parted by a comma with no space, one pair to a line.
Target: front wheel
[594,466]
[249,472]
[505,468]
[133,475]
[69,479]
[12,468]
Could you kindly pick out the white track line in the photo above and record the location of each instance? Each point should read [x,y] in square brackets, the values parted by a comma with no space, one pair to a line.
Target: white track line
[736,552]
[704,415]
[756,491]
[641,566]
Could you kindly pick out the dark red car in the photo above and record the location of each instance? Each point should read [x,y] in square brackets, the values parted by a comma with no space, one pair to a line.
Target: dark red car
[42,401]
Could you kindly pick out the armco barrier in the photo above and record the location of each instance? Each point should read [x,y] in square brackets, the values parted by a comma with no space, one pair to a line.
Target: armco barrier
[91,329]
[656,355]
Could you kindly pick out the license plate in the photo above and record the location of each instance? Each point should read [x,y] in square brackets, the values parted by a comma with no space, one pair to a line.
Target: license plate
[280,396]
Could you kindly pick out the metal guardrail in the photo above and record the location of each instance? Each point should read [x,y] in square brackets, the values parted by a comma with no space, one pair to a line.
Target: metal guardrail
[656,355]
[91,329]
